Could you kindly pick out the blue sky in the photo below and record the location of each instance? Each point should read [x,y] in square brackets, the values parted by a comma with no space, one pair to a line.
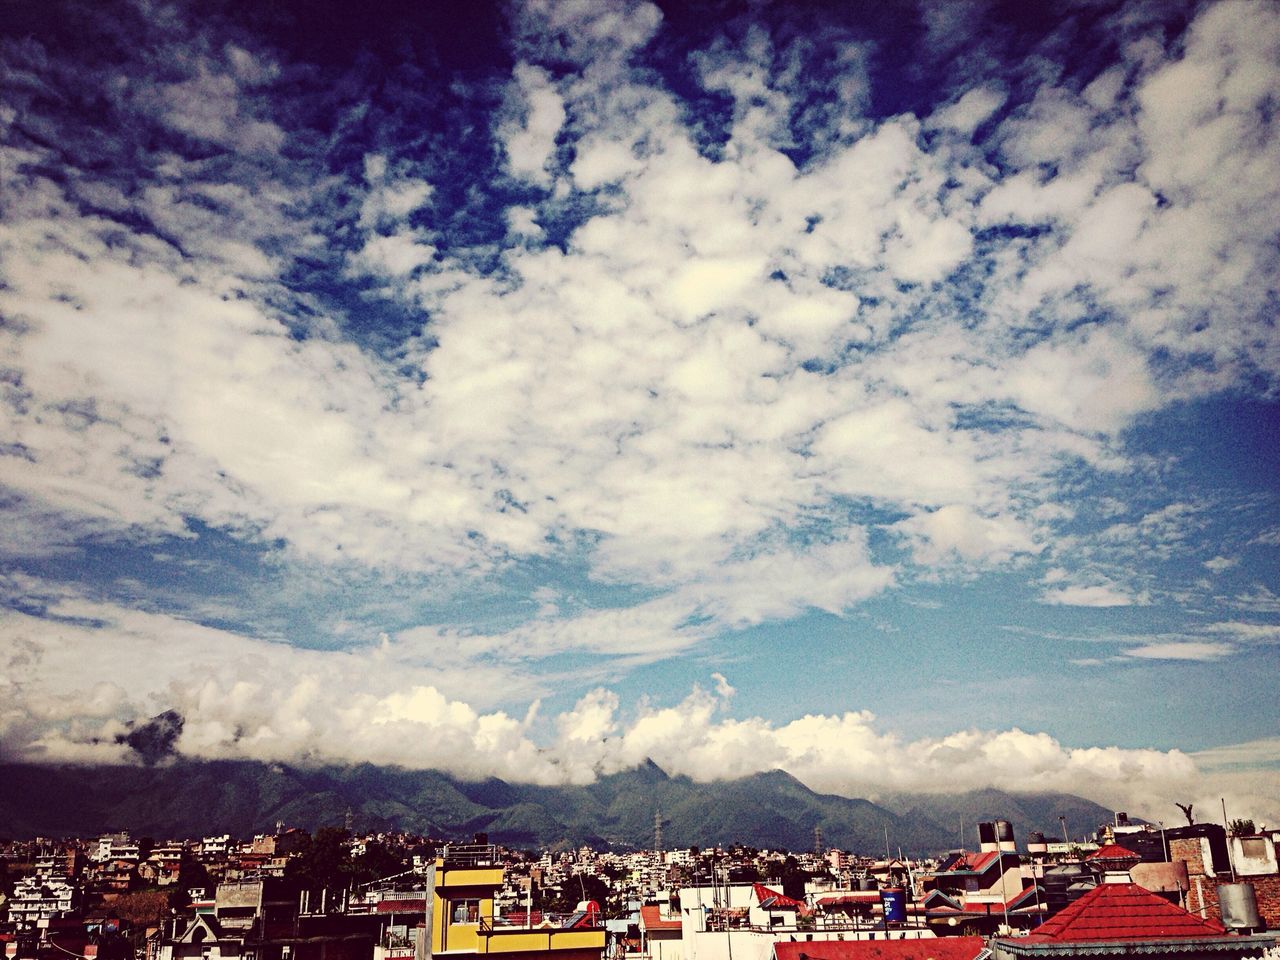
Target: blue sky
[884,393]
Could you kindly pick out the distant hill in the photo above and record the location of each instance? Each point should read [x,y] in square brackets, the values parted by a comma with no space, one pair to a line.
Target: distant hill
[773,810]
[1026,811]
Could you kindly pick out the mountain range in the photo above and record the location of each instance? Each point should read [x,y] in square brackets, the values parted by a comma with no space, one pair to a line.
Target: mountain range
[766,810]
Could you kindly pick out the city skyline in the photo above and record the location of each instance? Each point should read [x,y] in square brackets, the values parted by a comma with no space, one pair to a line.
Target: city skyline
[886,394]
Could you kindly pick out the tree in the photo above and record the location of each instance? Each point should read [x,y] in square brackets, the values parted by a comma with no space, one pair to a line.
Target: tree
[585,886]
[323,861]
[144,908]
[375,863]
[191,873]
[1186,809]
[1241,828]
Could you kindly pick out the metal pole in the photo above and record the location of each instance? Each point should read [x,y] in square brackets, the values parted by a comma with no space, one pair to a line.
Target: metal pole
[1227,827]
[1004,893]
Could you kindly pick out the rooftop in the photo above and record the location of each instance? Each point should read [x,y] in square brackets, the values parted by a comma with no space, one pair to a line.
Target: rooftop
[940,948]
[1113,851]
[1123,911]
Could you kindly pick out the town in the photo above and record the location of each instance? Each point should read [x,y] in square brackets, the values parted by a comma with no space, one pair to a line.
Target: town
[1129,886]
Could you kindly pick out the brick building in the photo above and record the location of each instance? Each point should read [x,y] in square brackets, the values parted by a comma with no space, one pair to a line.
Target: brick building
[1210,863]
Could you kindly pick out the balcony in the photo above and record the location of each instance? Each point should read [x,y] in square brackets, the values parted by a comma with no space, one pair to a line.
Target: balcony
[575,931]
[542,922]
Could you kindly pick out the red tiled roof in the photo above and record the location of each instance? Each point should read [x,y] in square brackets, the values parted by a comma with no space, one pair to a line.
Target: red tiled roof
[940,948]
[651,919]
[764,894]
[965,861]
[1123,911]
[1113,851]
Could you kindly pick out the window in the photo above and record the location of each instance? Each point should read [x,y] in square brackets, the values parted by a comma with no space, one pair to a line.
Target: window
[1255,848]
[466,911]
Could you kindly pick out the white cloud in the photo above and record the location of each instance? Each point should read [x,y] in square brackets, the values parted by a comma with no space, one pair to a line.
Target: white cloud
[1246,632]
[400,705]
[1093,595]
[970,111]
[585,31]
[1182,650]
[958,531]
[740,359]
[530,140]
[1259,599]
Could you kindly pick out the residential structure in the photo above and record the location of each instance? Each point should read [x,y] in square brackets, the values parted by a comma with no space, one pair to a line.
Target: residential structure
[1123,919]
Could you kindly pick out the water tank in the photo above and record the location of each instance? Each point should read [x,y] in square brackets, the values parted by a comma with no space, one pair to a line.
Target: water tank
[996,835]
[866,883]
[1004,836]
[1239,906]
[894,900]
[987,842]
[1063,884]
[1036,842]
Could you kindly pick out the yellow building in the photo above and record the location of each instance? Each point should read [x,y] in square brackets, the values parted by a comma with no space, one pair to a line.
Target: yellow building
[462,920]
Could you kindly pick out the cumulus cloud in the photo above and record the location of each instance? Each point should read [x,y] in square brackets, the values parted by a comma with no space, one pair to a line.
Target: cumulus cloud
[530,139]
[739,362]
[393,710]
[960,531]
[970,111]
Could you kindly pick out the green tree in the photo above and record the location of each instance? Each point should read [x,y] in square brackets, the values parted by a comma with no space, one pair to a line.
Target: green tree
[1241,828]
[376,862]
[323,860]
[144,908]
[191,874]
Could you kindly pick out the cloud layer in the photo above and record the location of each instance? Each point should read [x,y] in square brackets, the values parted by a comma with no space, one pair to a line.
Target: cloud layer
[682,314]
[243,698]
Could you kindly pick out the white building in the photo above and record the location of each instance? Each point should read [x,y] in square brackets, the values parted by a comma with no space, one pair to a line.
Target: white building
[41,898]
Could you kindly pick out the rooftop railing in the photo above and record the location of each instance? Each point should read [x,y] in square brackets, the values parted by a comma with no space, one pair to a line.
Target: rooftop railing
[470,855]
[542,922]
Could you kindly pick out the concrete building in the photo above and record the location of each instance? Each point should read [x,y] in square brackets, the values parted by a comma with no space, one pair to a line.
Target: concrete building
[463,922]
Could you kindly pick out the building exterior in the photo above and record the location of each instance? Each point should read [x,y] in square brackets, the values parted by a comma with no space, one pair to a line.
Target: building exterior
[660,934]
[41,899]
[975,893]
[1213,860]
[463,922]
[1123,920]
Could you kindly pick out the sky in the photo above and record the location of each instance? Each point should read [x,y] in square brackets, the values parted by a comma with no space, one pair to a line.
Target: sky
[883,392]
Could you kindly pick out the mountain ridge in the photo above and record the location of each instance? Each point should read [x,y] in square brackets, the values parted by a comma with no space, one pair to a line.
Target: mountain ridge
[771,809]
